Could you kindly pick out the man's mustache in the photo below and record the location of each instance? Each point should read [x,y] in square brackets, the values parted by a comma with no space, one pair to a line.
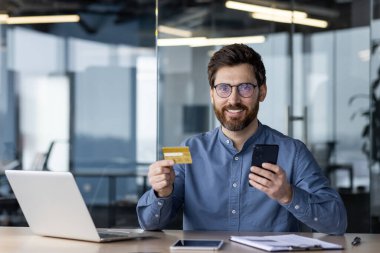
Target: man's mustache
[235,107]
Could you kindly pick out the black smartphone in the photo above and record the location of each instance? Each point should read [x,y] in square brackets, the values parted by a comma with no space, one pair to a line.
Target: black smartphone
[264,153]
[197,244]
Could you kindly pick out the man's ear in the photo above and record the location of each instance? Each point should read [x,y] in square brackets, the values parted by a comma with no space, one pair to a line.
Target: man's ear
[263,92]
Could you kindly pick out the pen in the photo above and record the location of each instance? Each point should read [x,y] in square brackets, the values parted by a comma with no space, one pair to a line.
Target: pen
[356,241]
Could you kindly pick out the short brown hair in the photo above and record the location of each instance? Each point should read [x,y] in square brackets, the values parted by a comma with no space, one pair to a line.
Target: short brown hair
[233,55]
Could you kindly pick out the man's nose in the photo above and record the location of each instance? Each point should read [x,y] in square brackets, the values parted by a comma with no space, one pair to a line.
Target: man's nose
[234,98]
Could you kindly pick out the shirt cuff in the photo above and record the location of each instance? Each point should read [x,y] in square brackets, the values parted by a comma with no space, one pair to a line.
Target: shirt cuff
[298,206]
[157,207]
[152,197]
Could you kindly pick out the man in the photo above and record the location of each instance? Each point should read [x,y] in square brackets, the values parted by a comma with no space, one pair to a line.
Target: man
[220,190]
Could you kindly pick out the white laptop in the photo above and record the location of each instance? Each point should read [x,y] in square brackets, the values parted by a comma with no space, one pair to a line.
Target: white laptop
[53,206]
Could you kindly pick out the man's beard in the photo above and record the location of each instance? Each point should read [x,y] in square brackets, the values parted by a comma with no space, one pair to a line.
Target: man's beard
[235,124]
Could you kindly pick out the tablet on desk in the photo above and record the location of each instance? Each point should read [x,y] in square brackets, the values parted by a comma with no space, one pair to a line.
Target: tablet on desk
[197,245]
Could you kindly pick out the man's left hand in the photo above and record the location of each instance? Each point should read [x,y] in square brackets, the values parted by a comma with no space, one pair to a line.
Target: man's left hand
[271,179]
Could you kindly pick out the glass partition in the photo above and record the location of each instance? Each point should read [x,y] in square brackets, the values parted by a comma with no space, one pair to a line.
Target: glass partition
[82,97]
[332,74]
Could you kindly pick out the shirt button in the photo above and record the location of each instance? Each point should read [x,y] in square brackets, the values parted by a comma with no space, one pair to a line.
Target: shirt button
[156,215]
[315,219]
[228,141]
[234,185]
[236,158]
[159,203]
[233,211]
[296,207]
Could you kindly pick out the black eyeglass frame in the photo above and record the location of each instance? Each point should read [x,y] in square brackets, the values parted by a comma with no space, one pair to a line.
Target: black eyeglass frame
[254,86]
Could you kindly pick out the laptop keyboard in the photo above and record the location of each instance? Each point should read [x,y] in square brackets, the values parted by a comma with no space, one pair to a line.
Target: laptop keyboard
[113,234]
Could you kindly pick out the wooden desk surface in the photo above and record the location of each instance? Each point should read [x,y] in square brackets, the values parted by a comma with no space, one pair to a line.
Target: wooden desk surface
[21,240]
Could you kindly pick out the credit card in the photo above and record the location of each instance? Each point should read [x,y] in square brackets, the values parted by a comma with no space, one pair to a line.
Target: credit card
[177,154]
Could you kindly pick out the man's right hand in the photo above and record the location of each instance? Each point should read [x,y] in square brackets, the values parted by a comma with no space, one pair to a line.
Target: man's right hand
[161,176]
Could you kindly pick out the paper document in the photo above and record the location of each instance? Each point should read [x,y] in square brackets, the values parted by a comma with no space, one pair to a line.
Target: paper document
[285,243]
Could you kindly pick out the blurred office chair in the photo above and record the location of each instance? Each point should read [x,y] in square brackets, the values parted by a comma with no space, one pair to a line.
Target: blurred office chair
[9,207]
[356,201]
[332,171]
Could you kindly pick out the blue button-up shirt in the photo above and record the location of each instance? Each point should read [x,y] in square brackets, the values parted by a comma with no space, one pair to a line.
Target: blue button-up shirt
[215,193]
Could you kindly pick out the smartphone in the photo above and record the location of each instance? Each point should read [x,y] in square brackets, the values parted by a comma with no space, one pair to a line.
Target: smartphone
[197,245]
[264,153]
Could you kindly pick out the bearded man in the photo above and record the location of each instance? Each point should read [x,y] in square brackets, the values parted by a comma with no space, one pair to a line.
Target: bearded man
[220,190]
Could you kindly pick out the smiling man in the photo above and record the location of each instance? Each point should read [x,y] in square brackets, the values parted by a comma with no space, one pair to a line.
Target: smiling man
[220,190]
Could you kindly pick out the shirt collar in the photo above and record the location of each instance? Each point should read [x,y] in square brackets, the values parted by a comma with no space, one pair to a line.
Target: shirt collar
[253,139]
[229,144]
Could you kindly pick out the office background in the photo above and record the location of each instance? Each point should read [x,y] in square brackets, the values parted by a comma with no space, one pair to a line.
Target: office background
[101,96]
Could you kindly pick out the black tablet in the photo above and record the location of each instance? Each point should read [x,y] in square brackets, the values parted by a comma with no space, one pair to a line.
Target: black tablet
[197,245]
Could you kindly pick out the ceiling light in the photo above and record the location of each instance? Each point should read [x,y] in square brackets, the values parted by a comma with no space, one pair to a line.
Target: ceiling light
[264,10]
[174,31]
[301,21]
[203,41]
[3,18]
[42,19]
[227,41]
[311,22]
[178,41]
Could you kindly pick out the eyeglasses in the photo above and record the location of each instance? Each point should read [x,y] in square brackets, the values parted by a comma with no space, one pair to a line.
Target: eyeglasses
[245,90]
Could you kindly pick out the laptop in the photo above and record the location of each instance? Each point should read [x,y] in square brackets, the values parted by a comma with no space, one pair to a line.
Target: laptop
[53,206]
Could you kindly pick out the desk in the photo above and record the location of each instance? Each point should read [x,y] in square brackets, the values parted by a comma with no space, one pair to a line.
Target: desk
[21,240]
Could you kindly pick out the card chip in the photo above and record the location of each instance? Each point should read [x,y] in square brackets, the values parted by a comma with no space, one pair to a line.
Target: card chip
[177,154]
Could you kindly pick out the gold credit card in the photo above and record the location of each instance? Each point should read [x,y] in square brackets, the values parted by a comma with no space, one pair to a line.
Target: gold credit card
[177,154]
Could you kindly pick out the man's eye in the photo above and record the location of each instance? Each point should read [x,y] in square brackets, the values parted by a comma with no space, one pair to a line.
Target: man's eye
[245,86]
[224,87]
